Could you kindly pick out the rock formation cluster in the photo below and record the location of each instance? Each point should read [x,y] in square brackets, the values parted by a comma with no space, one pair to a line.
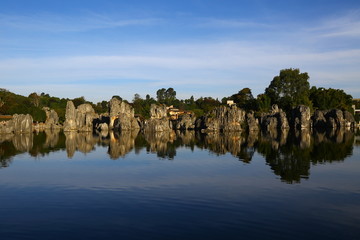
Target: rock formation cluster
[121,118]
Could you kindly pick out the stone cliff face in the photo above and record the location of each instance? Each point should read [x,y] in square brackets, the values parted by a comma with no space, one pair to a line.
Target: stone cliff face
[274,120]
[19,123]
[85,115]
[333,119]
[122,116]
[252,122]
[319,120]
[70,117]
[22,123]
[222,119]
[301,117]
[158,121]
[158,111]
[80,119]
[185,122]
[52,119]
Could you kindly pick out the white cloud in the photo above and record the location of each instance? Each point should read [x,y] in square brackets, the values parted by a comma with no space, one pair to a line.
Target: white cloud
[218,65]
[214,67]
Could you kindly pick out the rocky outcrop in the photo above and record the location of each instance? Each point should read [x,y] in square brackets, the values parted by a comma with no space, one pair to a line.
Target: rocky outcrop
[158,121]
[70,117]
[22,123]
[275,120]
[122,116]
[158,111]
[333,119]
[185,122]
[85,116]
[19,123]
[319,120]
[6,127]
[222,119]
[349,120]
[52,119]
[80,119]
[301,117]
[252,122]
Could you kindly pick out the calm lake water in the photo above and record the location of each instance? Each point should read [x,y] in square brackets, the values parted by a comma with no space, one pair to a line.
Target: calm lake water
[180,186]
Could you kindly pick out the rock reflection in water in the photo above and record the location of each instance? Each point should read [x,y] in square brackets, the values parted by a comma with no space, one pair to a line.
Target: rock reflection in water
[23,142]
[79,141]
[240,146]
[161,143]
[277,138]
[121,143]
[52,137]
[289,155]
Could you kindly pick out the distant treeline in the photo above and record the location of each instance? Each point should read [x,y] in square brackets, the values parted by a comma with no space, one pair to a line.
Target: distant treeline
[289,89]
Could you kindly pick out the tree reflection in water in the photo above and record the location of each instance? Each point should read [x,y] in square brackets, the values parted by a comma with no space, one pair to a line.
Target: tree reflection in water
[289,154]
[291,159]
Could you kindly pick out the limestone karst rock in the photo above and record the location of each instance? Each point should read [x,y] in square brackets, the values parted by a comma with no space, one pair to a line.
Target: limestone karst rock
[122,116]
[275,119]
[319,120]
[222,119]
[80,119]
[70,117]
[85,115]
[52,119]
[22,123]
[301,117]
[158,121]
[252,122]
[185,122]
[333,119]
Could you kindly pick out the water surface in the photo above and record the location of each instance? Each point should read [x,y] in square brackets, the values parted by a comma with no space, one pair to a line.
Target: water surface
[180,186]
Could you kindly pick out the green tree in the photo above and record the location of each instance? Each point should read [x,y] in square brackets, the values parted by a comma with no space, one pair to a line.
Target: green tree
[78,101]
[160,95]
[263,103]
[166,96]
[244,99]
[35,99]
[324,99]
[289,89]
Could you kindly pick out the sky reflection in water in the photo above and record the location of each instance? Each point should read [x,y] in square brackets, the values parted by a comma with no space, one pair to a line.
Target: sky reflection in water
[185,185]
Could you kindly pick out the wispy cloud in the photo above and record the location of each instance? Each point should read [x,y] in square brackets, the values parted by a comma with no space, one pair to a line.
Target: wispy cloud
[61,23]
[347,25]
[218,66]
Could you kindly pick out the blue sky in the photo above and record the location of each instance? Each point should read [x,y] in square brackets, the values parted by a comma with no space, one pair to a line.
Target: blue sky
[98,49]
